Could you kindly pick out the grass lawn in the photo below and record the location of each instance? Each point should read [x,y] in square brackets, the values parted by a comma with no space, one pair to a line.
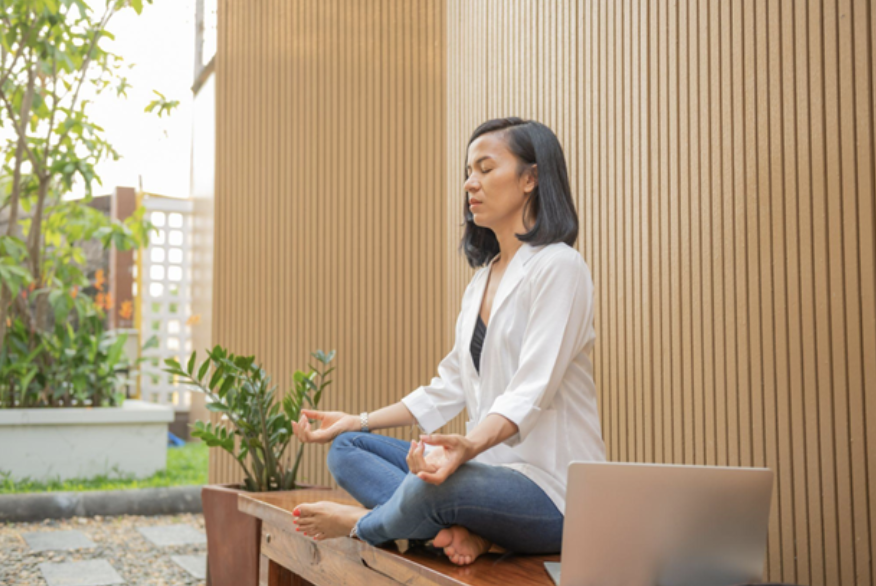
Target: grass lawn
[186,465]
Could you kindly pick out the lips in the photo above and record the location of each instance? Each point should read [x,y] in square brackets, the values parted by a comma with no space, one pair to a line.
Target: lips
[473,201]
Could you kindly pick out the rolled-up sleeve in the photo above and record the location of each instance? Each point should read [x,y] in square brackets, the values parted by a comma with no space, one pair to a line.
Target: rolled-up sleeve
[557,329]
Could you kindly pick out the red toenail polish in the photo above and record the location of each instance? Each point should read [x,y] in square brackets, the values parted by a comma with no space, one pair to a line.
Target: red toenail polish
[296,512]
[305,533]
[298,529]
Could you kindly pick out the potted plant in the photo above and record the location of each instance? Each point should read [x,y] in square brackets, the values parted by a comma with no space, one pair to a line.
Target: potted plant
[61,397]
[256,430]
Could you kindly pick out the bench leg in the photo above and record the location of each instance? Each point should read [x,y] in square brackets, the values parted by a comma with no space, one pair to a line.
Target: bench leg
[273,574]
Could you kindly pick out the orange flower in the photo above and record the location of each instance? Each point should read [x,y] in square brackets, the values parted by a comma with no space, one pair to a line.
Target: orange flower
[127,310]
[99,301]
[194,320]
[108,301]
[74,292]
[99,280]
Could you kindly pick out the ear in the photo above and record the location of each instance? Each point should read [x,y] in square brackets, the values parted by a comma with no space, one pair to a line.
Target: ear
[531,179]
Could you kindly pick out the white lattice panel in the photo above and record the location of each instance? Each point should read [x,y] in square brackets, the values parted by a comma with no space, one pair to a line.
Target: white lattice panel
[165,301]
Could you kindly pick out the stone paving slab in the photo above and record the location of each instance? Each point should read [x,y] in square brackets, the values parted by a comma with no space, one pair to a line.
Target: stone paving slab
[196,565]
[57,540]
[134,558]
[163,535]
[90,573]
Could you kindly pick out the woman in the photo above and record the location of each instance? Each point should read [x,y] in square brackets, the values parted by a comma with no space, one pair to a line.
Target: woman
[521,367]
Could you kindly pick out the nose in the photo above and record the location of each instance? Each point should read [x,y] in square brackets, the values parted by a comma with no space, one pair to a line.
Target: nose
[471,185]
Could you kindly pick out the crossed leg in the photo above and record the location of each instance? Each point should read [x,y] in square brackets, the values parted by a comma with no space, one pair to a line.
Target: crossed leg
[479,506]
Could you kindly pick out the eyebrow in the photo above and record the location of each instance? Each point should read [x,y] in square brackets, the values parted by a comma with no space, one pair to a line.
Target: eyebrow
[467,167]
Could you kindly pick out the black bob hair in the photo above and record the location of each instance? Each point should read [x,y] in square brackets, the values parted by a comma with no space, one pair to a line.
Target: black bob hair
[550,202]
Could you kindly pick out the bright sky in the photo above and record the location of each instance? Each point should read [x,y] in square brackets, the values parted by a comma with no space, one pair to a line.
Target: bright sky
[161,44]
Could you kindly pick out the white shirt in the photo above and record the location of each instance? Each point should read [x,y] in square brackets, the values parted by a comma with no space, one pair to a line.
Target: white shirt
[535,367]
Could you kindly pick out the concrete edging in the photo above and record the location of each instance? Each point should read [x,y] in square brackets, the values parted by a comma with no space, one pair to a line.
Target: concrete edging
[17,508]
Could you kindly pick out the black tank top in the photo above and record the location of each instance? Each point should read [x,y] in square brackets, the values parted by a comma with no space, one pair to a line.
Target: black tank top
[477,342]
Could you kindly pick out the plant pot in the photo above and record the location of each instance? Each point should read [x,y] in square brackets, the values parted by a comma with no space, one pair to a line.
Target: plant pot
[233,537]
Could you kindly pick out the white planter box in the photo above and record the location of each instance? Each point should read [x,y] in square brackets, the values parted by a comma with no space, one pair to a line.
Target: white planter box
[44,444]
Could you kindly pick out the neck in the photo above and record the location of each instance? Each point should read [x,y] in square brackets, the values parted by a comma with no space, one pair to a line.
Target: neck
[508,244]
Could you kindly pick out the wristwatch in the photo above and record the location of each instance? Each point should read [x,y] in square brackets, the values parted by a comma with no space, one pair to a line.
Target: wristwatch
[363,421]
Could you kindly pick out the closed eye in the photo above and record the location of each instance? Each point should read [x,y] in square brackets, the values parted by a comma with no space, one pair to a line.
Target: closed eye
[482,172]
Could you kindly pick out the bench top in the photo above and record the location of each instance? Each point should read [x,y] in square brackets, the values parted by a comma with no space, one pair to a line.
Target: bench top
[346,560]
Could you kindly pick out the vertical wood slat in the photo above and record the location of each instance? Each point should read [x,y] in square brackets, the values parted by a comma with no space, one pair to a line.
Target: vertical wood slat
[722,160]
[731,349]
[311,164]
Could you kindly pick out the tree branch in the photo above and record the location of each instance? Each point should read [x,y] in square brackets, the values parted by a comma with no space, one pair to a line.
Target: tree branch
[102,26]
[15,58]
[20,130]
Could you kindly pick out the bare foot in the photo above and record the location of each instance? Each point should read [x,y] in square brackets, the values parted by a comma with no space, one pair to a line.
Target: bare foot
[460,545]
[325,519]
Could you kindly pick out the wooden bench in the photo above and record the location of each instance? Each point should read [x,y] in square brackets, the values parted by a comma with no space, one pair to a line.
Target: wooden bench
[288,558]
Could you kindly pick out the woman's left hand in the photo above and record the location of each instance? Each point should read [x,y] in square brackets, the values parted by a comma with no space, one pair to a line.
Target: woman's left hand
[456,450]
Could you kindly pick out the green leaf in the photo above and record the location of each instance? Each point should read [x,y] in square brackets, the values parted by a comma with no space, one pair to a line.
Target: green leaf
[203,370]
[214,380]
[217,407]
[191,365]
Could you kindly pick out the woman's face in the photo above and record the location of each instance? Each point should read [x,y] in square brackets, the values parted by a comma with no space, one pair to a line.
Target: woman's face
[495,192]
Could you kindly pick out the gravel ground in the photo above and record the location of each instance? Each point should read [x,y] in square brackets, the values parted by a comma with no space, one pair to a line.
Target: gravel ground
[117,541]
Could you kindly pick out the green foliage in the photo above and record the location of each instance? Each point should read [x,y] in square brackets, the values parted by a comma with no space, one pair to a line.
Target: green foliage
[13,275]
[50,49]
[163,105]
[186,466]
[67,367]
[260,428]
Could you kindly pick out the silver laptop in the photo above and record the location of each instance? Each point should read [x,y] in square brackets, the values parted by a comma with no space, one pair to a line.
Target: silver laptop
[663,525]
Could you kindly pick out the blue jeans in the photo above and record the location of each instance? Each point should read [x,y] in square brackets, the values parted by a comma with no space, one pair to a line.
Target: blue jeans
[495,502]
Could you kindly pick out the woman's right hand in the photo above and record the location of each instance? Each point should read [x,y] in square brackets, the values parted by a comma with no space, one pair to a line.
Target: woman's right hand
[333,423]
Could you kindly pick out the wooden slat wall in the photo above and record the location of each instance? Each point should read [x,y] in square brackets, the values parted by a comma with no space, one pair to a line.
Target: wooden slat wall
[329,227]
[722,162]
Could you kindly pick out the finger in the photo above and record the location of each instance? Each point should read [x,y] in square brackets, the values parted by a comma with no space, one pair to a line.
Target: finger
[418,457]
[297,430]
[431,477]
[417,463]
[300,425]
[311,414]
[409,457]
[437,439]
[307,431]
